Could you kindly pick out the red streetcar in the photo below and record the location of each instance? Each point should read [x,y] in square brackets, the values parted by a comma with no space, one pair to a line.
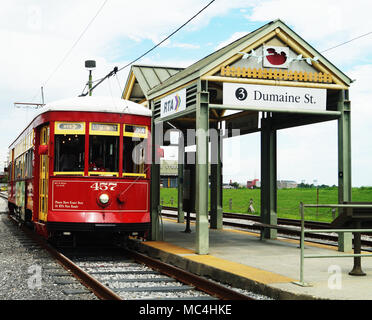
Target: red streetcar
[81,165]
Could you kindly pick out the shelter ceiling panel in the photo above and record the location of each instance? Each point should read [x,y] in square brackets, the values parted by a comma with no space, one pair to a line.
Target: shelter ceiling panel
[137,92]
[246,122]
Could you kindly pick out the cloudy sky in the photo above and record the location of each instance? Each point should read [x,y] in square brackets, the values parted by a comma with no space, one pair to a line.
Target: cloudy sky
[45,43]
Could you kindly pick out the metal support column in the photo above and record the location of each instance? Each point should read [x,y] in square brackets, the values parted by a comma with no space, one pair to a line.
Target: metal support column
[156,134]
[202,126]
[344,163]
[181,157]
[268,178]
[216,181]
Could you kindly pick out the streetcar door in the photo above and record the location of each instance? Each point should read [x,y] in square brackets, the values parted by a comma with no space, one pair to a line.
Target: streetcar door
[43,176]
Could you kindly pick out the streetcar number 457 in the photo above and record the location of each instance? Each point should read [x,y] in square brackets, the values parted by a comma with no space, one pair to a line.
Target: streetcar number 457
[103,186]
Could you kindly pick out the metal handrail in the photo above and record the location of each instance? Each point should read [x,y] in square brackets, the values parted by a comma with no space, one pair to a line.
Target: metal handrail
[303,231]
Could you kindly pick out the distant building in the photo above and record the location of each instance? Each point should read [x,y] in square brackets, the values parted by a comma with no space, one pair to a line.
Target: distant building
[169,173]
[227,186]
[251,184]
[281,184]
[286,184]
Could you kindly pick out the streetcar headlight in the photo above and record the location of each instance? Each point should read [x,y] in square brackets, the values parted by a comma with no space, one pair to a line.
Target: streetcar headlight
[104,198]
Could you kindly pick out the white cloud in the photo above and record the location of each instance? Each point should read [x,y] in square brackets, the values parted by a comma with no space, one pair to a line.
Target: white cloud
[318,19]
[234,36]
[324,24]
[39,34]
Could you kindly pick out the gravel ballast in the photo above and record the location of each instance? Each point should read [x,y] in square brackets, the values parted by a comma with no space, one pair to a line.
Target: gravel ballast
[27,272]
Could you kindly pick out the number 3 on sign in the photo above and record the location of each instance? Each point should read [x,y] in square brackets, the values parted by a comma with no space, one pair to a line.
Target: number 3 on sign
[241,94]
[103,186]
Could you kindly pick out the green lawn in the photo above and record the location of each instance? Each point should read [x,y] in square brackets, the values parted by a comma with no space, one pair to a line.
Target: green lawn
[288,200]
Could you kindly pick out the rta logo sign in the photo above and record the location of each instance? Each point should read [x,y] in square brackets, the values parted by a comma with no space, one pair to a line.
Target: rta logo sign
[241,94]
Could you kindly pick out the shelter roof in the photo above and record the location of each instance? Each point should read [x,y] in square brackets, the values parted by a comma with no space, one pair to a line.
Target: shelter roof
[231,52]
[143,78]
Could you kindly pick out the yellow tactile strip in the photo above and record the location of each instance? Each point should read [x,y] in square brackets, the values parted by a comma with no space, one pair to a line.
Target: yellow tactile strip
[168,247]
[242,270]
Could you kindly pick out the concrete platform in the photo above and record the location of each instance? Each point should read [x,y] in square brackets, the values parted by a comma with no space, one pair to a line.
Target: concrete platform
[266,267]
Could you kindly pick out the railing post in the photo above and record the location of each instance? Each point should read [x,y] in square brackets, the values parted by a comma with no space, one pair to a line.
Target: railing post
[302,246]
[357,268]
[302,242]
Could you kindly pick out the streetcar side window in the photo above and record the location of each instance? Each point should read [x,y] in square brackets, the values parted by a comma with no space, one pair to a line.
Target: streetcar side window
[28,163]
[10,172]
[17,168]
[69,153]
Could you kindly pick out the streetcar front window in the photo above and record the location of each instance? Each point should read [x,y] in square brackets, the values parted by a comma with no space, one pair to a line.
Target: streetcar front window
[134,150]
[134,156]
[69,153]
[103,155]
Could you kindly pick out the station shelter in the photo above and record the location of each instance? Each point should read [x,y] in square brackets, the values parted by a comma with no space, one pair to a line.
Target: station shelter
[268,80]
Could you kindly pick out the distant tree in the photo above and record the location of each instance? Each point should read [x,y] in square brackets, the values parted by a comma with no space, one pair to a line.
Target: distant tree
[235,185]
[305,185]
[323,186]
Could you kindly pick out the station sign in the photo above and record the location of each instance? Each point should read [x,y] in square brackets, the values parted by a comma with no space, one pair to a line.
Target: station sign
[173,103]
[238,94]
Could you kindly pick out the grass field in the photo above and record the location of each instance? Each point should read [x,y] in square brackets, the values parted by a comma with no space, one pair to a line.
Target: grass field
[288,201]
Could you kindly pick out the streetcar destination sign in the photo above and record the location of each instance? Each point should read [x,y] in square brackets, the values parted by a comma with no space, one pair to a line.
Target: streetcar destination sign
[239,94]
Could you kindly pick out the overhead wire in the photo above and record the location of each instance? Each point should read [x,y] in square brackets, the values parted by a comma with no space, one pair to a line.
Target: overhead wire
[166,38]
[74,45]
[193,17]
[151,49]
[346,42]
[161,42]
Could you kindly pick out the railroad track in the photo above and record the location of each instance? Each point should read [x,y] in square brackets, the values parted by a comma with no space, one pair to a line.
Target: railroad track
[291,226]
[282,221]
[134,276]
[127,274]
[3,195]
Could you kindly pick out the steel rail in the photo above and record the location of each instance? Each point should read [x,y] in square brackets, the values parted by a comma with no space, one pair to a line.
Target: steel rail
[287,221]
[104,293]
[100,290]
[281,221]
[209,287]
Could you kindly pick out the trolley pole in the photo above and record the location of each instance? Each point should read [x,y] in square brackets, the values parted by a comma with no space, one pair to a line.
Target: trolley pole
[90,82]
[90,65]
